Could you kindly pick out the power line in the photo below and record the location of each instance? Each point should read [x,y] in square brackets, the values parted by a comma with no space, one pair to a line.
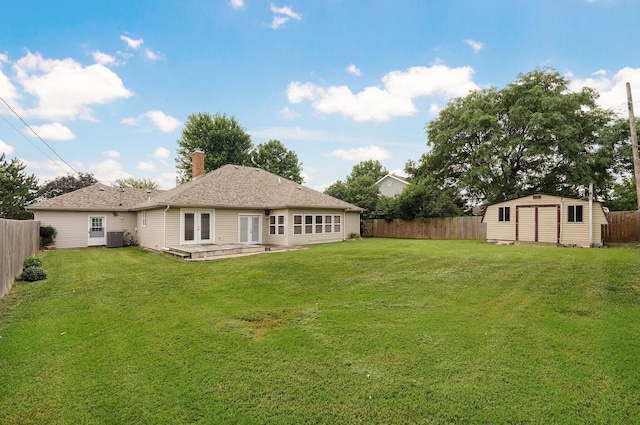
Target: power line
[34,145]
[38,136]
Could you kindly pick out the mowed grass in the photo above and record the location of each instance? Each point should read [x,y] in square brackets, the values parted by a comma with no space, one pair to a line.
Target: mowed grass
[368,332]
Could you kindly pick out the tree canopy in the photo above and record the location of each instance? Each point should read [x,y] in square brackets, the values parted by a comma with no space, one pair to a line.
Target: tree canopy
[275,158]
[222,139]
[360,187]
[65,184]
[17,189]
[136,183]
[532,136]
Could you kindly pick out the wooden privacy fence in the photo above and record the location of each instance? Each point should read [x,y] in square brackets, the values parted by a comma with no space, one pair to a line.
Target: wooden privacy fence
[469,227]
[624,226]
[19,240]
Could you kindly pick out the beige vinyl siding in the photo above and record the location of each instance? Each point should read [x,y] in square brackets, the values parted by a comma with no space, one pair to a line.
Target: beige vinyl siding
[72,227]
[172,227]
[151,236]
[351,223]
[277,239]
[570,233]
[500,230]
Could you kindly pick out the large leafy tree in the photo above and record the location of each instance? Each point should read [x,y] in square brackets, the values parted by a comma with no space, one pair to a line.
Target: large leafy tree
[532,136]
[624,196]
[275,158]
[17,189]
[136,183]
[65,184]
[360,187]
[423,198]
[222,139]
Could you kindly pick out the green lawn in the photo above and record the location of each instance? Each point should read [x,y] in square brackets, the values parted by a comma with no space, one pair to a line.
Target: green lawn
[368,332]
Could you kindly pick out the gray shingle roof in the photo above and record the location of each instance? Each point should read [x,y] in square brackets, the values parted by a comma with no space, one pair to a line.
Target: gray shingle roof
[230,186]
[97,197]
[234,186]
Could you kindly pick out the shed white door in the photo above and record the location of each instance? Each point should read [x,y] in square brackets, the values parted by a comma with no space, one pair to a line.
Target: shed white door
[97,230]
[250,229]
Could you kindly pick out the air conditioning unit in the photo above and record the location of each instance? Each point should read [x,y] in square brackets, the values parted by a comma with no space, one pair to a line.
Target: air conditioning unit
[115,239]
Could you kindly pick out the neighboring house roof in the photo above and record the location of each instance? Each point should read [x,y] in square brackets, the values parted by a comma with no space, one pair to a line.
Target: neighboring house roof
[230,186]
[394,177]
[97,197]
[235,186]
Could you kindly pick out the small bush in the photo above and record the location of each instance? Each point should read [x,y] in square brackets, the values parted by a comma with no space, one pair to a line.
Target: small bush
[32,262]
[354,235]
[31,274]
[47,236]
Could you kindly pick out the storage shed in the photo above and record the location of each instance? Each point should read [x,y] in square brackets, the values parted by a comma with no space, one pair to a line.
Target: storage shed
[546,218]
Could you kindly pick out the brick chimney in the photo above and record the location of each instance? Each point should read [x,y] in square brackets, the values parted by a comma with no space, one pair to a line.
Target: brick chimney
[197,163]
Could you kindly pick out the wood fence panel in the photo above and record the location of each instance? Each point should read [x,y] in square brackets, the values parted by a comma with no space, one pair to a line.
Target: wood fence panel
[430,228]
[19,239]
[624,226]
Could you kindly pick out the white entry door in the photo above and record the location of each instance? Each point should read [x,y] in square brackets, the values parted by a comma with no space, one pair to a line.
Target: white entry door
[250,229]
[197,227]
[97,230]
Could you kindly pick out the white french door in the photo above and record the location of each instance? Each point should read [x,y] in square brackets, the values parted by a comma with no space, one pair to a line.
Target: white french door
[97,230]
[250,231]
[196,227]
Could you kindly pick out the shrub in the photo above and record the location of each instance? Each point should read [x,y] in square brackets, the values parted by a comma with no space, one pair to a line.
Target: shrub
[31,274]
[32,262]
[47,236]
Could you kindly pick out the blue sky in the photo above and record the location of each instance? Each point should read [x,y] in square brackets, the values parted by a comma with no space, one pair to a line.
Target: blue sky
[109,84]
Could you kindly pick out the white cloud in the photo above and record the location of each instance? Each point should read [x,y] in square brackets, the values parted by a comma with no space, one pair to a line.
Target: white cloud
[394,99]
[5,148]
[147,166]
[352,69]
[285,10]
[48,170]
[399,172]
[434,109]
[131,43]
[108,171]
[161,153]
[282,16]
[278,21]
[103,58]
[53,131]
[7,89]
[162,121]
[613,90]
[236,4]
[151,55]
[159,119]
[288,114]
[112,153]
[299,133]
[362,154]
[130,121]
[64,89]
[475,45]
[167,180]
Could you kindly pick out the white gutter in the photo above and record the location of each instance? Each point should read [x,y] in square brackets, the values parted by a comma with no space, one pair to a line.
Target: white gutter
[164,226]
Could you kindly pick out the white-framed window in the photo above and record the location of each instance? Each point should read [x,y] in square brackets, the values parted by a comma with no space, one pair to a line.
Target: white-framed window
[297,224]
[336,224]
[276,224]
[575,213]
[144,219]
[504,213]
[319,226]
[308,224]
[328,228]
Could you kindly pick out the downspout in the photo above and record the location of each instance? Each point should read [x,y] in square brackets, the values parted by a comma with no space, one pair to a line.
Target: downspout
[164,225]
[590,215]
